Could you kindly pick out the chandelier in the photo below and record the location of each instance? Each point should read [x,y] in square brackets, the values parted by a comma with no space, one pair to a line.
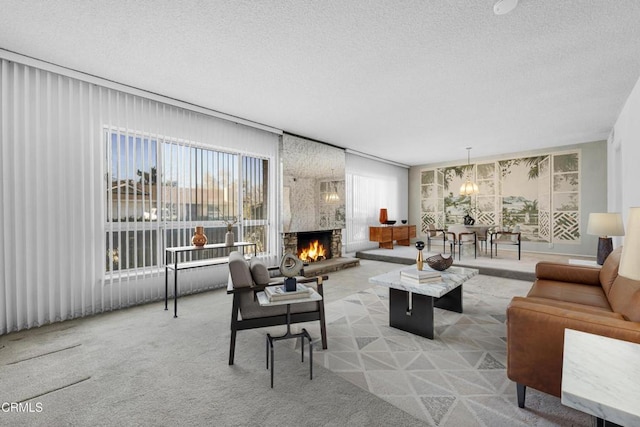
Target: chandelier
[469,187]
[332,194]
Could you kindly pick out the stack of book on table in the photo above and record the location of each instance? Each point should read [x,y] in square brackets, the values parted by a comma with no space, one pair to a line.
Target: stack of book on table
[419,277]
[277,293]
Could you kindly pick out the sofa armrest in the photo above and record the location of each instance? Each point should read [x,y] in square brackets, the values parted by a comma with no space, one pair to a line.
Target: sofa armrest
[568,273]
[535,340]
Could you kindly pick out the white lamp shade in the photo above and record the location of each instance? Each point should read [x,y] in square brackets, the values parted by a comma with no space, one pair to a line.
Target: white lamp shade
[605,224]
[468,188]
[630,259]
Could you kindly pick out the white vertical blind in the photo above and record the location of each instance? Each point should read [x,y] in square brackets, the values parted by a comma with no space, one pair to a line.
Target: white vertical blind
[53,203]
[371,185]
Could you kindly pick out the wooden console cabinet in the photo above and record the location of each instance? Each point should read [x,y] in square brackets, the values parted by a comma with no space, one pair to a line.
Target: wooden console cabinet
[385,235]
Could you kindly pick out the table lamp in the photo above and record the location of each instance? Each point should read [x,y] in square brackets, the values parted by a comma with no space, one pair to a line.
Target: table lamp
[629,265]
[605,225]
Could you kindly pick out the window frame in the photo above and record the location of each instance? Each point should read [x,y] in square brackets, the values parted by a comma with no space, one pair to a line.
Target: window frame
[183,224]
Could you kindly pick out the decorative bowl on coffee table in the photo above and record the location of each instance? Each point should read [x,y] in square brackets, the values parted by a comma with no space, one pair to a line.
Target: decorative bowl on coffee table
[438,262]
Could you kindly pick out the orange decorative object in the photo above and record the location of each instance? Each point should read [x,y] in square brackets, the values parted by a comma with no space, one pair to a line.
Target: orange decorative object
[199,238]
[383,216]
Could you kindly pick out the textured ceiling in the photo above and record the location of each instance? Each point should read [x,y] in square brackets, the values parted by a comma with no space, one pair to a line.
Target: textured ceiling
[410,81]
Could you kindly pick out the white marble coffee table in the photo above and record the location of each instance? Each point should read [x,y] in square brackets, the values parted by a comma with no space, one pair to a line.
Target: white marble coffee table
[601,376]
[411,305]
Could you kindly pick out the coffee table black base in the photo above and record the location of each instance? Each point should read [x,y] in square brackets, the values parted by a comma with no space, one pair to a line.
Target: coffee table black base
[413,312]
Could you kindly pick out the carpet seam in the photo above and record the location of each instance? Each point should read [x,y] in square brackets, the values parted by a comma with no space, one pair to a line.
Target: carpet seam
[55,389]
[43,354]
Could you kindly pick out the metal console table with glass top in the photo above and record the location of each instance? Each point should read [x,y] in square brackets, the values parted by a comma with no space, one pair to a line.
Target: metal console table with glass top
[208,254]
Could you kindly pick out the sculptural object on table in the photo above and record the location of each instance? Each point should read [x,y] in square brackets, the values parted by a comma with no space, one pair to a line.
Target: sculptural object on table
[290,266]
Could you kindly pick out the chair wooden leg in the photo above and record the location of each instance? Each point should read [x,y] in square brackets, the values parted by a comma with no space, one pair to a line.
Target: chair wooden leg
[232,346]
[235,309]
[323,327]
[521,391]
[323,332]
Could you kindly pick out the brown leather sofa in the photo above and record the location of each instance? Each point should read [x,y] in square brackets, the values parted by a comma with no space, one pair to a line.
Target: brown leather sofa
[596,301]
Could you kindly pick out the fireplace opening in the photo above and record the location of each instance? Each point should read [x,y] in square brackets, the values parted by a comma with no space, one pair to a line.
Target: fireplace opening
[314,246]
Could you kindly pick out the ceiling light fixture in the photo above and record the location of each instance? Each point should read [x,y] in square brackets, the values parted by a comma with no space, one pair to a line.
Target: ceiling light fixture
[504,6]
[332,195]
[469,187]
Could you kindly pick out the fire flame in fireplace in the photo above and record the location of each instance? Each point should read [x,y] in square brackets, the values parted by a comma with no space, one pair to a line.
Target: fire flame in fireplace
[315,252]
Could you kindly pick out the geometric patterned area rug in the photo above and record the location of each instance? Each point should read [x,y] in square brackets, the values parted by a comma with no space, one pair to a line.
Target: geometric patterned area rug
[457,379]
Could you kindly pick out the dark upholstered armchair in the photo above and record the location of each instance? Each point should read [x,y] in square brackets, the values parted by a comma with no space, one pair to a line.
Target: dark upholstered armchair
[245,279]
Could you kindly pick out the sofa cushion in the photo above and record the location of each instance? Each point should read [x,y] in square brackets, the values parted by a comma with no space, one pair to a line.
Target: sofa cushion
[570,292]
[624,297]
[239,271]
[259,272]
[609,270]
[568,273]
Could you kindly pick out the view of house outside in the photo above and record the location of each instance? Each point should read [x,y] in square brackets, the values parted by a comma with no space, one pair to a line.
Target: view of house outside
[159,190]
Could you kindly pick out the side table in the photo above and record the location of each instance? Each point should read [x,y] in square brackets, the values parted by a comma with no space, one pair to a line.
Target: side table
[263,300]
[601,376]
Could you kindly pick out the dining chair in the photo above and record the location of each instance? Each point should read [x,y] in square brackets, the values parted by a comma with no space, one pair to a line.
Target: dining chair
[434,233]
[509,238]
[458,235]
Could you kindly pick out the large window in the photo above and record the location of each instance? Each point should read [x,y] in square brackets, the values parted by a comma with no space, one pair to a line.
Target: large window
[158,190]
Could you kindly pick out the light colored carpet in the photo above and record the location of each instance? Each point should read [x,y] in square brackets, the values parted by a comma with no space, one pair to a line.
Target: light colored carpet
[457,379]
[140,366]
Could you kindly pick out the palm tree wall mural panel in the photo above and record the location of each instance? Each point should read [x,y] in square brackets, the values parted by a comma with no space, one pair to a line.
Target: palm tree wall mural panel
[541,194]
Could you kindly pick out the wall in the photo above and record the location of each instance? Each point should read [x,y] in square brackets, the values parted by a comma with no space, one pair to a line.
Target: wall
[624,156]
[52,192]
[593,195]
[371,185]
[306,167]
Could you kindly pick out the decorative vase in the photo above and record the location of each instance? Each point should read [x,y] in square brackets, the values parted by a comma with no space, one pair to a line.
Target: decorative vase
[383,216]
[229,238]
[199,238]
[419,261]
